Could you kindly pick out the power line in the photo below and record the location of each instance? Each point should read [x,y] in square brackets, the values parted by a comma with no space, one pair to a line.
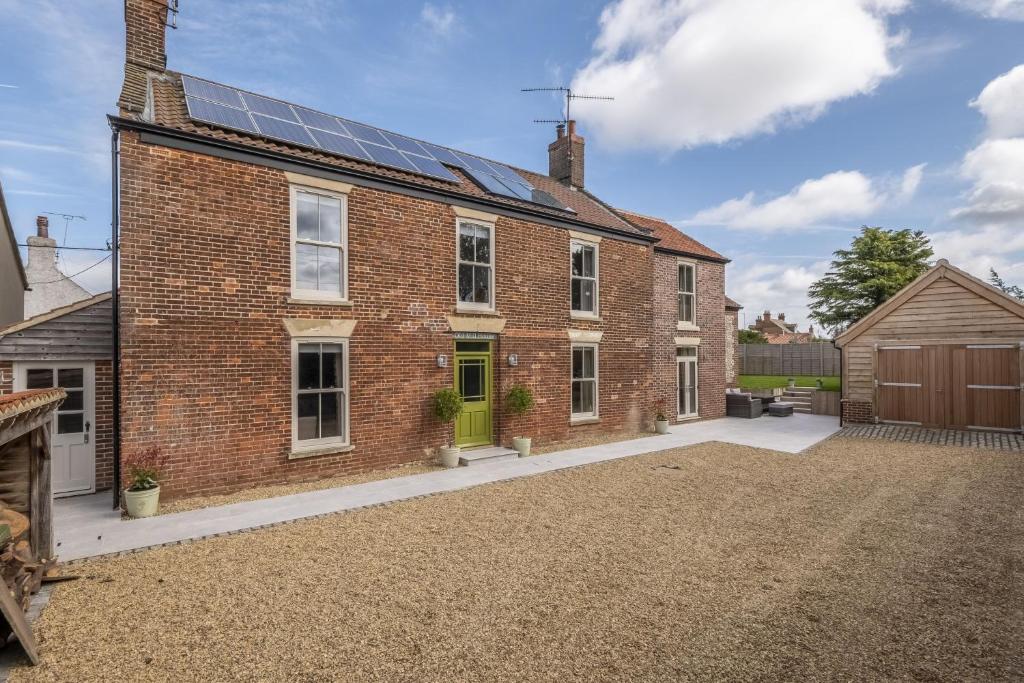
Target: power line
[68,277]
[76,248]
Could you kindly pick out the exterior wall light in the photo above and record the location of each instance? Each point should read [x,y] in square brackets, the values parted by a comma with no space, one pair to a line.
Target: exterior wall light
[513,360]
[442,360]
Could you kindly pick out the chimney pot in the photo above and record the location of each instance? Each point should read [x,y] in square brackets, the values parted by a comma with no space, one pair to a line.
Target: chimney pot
[560,131]
[42,226]
[782,316]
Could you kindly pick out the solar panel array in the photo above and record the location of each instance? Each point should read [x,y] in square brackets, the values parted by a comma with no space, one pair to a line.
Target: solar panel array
[243,111]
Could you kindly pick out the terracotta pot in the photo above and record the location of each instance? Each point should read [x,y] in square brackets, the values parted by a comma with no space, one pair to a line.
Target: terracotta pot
[142,503]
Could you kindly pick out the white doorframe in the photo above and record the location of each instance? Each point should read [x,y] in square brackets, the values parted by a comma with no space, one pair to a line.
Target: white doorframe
[687,365]
[74,453]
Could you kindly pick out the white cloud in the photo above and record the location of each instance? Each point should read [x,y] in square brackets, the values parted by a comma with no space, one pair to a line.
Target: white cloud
[994,9]
[440,20]
[1001,102]
[978,250]
[693,72]
[842,195]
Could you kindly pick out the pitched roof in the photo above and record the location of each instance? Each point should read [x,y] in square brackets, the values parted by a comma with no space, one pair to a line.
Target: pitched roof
[12,240]
[169,110]
[16,404]
[942,269]
[671,238]
[731,304]
[55,313]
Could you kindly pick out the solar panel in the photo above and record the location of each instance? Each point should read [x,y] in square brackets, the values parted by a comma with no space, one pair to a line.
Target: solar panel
[282,130]
[340,144]
[219,115]
[212,92]
[388,156]
[315,119]
[269,107]
[230,108]
[406,145]
[432,167]
[367,133]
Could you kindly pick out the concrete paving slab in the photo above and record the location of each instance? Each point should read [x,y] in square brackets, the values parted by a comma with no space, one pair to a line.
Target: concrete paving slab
[86,526]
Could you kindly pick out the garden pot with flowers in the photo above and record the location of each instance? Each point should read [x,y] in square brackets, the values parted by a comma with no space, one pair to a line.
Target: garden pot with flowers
[661,419]
[142,497]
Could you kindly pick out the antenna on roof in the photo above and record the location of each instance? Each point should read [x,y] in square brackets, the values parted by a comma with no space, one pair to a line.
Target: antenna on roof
[67,222]
[172,12]
[569,97]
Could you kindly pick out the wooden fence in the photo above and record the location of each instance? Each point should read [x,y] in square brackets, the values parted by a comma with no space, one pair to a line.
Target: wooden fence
[820,359]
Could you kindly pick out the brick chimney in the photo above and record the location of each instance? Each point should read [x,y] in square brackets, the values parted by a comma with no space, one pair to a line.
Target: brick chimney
[145,33]
[782,317]
[50,288]
[766,316]
[42,226]
[565,156]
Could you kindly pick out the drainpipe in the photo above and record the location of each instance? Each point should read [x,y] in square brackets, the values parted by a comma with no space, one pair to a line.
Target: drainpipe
[842,385]
[115,231]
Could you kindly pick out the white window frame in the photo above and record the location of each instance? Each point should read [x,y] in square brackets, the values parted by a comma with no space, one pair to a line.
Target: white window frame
[316,294]
[686,324]
[597,382]
[461,305]
[696,383]
[333,443]
[596,313]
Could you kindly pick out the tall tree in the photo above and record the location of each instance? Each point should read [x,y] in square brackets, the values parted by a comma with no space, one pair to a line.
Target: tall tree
[998,283]
[878,264]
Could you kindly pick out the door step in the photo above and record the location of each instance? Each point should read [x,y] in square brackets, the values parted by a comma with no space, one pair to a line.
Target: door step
[479,456]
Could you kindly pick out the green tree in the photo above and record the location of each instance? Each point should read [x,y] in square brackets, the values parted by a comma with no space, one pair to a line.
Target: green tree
[878,264]
[997,282]
[752,337]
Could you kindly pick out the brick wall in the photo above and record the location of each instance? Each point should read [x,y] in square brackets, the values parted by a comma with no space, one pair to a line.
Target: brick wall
[856,411]
[712,334]
[732,348]
[205,278]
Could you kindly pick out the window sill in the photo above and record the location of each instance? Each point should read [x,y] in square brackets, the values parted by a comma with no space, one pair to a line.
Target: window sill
[477,311]
[320,450]
[583,421]
[319,302]
[577,315]
[688,327]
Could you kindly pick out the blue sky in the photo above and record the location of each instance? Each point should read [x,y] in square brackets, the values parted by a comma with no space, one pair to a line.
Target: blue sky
[770,131]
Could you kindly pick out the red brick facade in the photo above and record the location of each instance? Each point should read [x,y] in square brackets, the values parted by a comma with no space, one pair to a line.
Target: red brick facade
[856,411]
[206,359]
[710,319]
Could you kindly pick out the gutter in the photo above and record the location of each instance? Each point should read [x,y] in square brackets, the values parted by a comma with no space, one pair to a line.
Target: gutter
[115,231]
[702,257]
[178,139]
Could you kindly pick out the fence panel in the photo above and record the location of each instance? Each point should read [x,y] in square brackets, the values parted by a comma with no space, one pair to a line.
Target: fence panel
[817,358]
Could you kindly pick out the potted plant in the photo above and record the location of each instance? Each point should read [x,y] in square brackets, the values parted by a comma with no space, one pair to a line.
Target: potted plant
[819,383]
[661,419]
[142,497]
[790,382]
[447,405]
[519,401]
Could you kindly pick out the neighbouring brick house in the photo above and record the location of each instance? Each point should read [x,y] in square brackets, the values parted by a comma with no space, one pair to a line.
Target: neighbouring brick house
[777,331]
[690,338]
[293,289]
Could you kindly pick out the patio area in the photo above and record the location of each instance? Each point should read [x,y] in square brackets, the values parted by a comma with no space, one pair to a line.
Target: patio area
[86,526]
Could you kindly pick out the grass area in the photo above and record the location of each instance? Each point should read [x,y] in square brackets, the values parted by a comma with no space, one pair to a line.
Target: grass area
[858,560]
[773,381]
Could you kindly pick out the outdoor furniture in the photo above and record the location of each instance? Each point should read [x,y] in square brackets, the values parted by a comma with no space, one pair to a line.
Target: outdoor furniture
[780,409]
[742,405]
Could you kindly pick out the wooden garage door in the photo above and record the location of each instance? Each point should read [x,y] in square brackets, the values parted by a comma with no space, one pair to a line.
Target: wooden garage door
[960,386]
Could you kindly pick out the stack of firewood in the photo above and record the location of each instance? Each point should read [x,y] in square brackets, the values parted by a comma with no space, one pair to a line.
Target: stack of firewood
[22,571]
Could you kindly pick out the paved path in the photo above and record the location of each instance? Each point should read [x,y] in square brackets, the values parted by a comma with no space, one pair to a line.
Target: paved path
[998,441]
[86,526]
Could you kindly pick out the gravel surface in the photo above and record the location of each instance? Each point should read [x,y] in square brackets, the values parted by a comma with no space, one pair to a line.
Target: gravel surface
[860,560]
[197,502]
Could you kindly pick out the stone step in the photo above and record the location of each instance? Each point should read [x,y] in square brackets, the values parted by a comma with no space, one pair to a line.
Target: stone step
[796,400]
[798,392]
[801,409]
[487,454]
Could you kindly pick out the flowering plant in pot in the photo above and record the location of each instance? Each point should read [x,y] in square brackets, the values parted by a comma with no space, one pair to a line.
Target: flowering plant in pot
[660,418]
[446,405]
[519,401]
[142,497]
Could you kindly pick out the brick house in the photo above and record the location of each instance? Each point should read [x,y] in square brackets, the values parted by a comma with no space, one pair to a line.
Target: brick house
[293,288]
[777,331]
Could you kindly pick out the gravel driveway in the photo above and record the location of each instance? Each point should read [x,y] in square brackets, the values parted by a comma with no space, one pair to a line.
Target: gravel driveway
[860,560]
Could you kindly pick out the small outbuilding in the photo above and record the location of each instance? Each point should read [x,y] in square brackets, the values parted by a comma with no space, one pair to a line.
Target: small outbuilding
[943,352]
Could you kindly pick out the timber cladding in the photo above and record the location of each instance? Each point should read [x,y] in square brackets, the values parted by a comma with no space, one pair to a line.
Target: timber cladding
[206,359]
[944,352]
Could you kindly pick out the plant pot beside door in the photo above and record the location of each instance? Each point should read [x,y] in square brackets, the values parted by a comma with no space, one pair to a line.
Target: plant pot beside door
[518,402]
[446,405]
[142,497]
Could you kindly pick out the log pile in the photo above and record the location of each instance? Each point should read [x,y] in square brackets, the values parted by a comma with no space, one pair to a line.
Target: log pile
[23,573]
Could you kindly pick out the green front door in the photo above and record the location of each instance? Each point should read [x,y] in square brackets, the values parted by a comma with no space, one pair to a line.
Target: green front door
[473,381]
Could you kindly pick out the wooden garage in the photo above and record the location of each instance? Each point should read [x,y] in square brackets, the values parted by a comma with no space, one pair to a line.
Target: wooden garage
[944,352]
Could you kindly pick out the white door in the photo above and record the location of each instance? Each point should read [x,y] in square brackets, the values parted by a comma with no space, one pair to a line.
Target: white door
[686,380]
[72,444]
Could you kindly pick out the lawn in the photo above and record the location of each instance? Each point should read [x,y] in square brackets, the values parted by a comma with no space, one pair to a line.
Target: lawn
[856,560]
[772,381]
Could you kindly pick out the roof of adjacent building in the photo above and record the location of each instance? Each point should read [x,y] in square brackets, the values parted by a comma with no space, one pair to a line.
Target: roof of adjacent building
[731,304]
[167,109]
[12,240]
[14,405]
[670,238]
